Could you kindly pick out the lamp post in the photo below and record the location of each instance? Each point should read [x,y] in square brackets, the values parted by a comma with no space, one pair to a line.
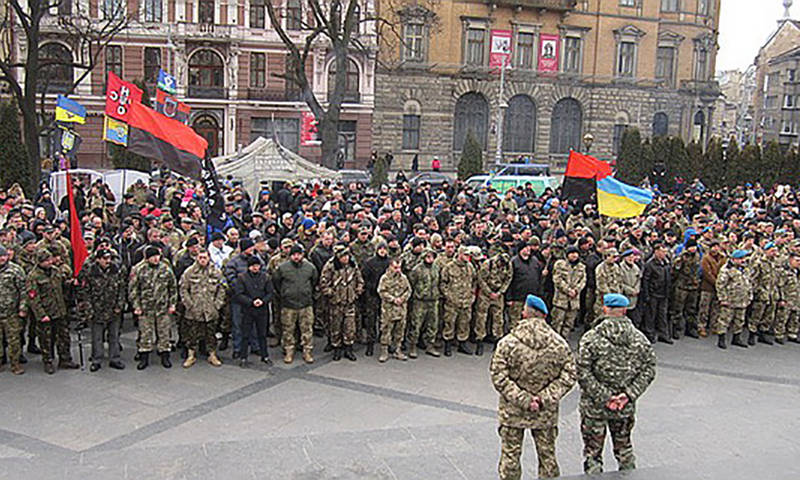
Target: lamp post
[501,108]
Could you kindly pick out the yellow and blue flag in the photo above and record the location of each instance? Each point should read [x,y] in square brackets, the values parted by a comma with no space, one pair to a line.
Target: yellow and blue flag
[620,200]
[69,111]
[115,131]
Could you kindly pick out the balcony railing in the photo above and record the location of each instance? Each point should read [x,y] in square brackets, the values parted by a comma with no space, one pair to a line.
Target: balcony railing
[558,5]
[207,92]
[207,31]
[707,90]
[273,95]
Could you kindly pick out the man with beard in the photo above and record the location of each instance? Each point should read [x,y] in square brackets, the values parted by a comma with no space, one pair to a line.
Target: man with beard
[202,292]
[294,283]
[525,280]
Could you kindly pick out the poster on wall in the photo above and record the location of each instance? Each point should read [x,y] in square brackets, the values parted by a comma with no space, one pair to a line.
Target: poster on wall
[500,51]
[548,53]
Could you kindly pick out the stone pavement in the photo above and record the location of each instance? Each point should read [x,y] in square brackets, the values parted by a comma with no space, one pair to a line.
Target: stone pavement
[710,414]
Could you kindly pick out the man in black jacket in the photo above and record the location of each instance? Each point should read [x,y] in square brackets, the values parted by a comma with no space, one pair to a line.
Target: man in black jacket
[252,290]
[656,280]
[526,280]
[372,271]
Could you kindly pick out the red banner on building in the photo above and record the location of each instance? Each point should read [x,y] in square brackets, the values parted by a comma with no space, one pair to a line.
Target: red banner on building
[119,97]
[500,51]
[548,52]
[308,129]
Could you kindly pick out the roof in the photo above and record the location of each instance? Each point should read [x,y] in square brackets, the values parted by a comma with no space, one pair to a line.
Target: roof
[781,24]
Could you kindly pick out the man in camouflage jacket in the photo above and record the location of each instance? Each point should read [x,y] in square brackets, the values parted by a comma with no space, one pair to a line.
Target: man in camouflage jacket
[341,283]
[13,308]
[394,290]
[494,277]
[765,275]
[735,292]
[786,315]
[686,283]
[608,278]
[424,279]
[569,279]
[457,284]
[202,291]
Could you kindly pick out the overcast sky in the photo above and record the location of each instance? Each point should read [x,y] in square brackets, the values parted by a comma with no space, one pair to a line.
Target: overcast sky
[744,27]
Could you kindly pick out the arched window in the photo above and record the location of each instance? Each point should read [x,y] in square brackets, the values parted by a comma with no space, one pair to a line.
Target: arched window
[471,115]
[519,125]
[208,127]
[699,127]
[55,74]
[351,90]
[206,78]
[660,124]
[565,126]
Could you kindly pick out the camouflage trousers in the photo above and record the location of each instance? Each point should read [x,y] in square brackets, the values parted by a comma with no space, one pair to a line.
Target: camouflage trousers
[593,431]
[563,319]
[587,310]
[393,328]
[514,313]
[730,317]
[511,439]
[342,324]
[277,325]
[154,328]
[56,331]
[708,309]
[488,311]
[786,322]
[292,318]
[683,308]
[369,317]
[456,322]
[225,316]
[10,328]
[762,317]
[424,317]
[324,315]
[200,331]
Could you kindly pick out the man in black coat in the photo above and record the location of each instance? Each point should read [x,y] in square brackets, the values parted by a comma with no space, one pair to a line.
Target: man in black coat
[656,284]
[252,290]
[526,280]
[372,271]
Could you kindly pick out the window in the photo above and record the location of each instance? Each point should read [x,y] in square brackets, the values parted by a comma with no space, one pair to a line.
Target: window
[114,59]
[701,64]
[788,126]
[789,101]
[565,126]
[258,70]
[665,65]
[65,7]
[410,132]
[627,3]
[113,9]
[285,130]
[476,42]
[152,64]
[152,10]
[660,124]
[206,75]
[294,15]
[626,60]
[205,11]
[56,77]
[670,5]
[351,90]
[525,41]
[519,125]
[770,101]
[471,116]
[412,42]
[572,54]
[619,129]
[258,14]
[790,74]
[702,7]
[699,127]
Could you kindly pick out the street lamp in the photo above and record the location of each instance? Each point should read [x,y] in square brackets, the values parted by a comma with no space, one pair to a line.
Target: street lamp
[588,140]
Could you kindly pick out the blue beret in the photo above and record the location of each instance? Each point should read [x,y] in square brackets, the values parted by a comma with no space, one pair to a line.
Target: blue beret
[769,245]
[739,253]
[537,303]
[308,223]
[615,300]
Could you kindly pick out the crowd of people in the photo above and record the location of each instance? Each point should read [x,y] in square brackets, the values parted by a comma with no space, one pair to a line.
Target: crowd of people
[411,271]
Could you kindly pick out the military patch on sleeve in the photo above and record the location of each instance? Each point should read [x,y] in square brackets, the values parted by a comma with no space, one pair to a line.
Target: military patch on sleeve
[32,293]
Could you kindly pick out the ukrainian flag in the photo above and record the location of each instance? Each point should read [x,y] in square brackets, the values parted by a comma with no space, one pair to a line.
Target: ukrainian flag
[70,111]
[620,200]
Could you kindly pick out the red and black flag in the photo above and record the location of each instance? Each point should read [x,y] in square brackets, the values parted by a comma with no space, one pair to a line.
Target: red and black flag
[169,141]
[580,178]
[169,106]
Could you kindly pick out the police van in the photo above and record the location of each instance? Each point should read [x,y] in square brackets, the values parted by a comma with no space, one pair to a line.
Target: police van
[515,175]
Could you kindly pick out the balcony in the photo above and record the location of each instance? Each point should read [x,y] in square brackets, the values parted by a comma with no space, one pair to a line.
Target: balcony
[273,95]
[556,5]
[708,91]
[207,92]
[207,31]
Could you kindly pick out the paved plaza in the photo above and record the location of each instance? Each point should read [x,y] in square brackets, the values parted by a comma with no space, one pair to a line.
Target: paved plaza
[709,414]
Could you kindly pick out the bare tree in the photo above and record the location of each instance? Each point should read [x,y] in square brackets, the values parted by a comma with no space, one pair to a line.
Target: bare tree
[32,23]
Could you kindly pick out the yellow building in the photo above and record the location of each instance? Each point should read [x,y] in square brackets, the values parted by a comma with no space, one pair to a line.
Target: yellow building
[575,67]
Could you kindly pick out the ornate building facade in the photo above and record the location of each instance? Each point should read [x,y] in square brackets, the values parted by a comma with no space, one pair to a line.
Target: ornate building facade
[575,67]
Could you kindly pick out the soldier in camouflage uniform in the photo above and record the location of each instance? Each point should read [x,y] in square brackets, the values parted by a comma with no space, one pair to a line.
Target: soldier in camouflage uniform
[45,286]
[532,369]
[424,279]
[786,315]
[457,284]
[686,282]
[153,294]
[274,262]
[341,282]
[616,364]
[413,255]
[494,277]
[394,291]
[202,292]
[569,279]
[734,291]
[103,292]
[13,308]
[608,278]
[765,272]
[25,257]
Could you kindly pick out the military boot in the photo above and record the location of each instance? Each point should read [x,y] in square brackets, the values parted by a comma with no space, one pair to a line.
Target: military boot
[384,354]
[67,365]
[463,348]
[412,351]
[165,362]
[721,342]
[191,359]
[779,340]
[479,349]
[214,360]
[328,347]
[398,353]
[307,357]
[223,344]
[448,348]
[763,338]
[751,339]
[370,350]
[288,357]
[737,340]
[337,354]
[144,360]
[431,350]
[702,331]
[691,331]
[794,339]
[33,349]
[49,368]
[348,353]
[17,369]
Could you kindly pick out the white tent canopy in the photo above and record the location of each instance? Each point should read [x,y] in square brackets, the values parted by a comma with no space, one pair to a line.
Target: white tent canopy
[266,160]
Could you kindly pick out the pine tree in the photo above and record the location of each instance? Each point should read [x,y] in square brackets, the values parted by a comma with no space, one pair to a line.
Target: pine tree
[713,170]
[696,163]
[471,158]
[660,152]
[677,159]
[791,167]
[120,156]
[748,164]
[735,171]
[771,166]
[380,174]
[14,165]
[630,166]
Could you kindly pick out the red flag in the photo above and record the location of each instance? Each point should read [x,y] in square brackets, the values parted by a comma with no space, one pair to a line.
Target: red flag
[119,97]
[79,252]
[580,165]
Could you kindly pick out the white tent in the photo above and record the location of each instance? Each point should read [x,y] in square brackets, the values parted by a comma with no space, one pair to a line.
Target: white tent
[266,160]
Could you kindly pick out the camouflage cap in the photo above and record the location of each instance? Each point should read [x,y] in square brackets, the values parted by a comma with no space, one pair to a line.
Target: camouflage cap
[611,252]
[43,255]
[340,250]
[287,242]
